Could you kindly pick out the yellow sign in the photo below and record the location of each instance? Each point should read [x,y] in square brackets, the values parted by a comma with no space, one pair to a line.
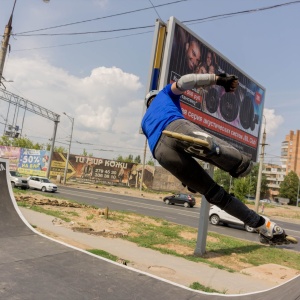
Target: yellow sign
[58,167]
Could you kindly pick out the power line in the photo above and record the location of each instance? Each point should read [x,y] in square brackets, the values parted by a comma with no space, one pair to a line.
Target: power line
[151,26]
[244,11]
[105,17]
[154,9]
[86,42]
[86,32]
[195,21]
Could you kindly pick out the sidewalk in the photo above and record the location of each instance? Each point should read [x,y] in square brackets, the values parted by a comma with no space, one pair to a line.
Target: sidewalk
[153,262]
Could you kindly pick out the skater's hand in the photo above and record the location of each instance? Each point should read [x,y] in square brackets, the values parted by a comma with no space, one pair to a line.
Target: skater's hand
[229,82]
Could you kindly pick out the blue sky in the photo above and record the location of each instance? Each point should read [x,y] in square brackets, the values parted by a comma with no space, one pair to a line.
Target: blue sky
[100,78]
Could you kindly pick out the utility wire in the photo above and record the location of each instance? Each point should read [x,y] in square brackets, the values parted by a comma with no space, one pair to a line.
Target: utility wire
[105,17]
[244,11]
[215,17]
[86,32]
[211,18]
[86,42]
[155,9]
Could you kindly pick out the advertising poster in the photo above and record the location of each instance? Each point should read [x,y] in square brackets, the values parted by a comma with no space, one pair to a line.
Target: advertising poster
[234,117]
[12,154]
[99,170]
[33,162]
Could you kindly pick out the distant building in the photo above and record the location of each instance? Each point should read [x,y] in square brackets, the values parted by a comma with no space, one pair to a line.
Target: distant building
[275,175]
[290,152]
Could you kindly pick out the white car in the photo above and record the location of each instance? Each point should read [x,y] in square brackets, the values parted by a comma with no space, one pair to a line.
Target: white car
[17,180]
[217,215]
[41,183]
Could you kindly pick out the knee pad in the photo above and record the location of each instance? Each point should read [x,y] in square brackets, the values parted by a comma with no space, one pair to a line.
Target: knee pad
[243,169]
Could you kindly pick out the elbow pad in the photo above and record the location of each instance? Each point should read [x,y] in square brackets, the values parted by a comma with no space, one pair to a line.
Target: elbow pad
[190,81]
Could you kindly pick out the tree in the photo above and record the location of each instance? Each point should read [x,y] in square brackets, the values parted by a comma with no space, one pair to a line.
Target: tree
[129,158]
[137,159]
[151,162]
[85,153]
[241,188]
[28,144]
[59,149]
[248,185]
[289,187]
[20,142]
[252,181]
[223,179]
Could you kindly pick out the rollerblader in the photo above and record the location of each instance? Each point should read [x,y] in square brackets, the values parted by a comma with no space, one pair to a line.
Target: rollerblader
[175,141]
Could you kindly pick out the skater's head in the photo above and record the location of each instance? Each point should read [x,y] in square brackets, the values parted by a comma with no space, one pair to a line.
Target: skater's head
[150,97]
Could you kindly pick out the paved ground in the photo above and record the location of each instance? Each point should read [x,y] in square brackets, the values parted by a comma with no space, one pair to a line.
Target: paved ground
[34,267]
[169,267]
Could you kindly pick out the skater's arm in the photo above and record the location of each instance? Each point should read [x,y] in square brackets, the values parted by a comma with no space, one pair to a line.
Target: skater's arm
[190,81]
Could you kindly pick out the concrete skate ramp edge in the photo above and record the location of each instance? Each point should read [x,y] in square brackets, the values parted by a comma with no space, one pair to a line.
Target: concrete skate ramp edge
[34,266]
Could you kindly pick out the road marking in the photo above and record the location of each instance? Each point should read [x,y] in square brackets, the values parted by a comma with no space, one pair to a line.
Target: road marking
[171,218]
[133,203]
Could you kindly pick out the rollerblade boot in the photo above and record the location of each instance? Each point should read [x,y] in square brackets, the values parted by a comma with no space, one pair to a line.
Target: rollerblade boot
[272,234]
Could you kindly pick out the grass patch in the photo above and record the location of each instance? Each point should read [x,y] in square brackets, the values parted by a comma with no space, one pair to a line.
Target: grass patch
[104,254]
[73,213]
[90,217]
[19,191]
[201,287]
[179,240]
[49,212]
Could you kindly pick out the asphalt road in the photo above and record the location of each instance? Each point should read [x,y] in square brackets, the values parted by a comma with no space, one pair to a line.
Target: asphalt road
[173,213]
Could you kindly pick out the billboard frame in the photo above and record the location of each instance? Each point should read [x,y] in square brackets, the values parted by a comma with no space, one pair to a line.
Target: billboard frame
[246,139]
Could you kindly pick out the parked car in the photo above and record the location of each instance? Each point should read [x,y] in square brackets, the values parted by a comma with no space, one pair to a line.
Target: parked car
[265,201]
[17,180]
[217,216]
[249,198]
[41,183]
[185,199]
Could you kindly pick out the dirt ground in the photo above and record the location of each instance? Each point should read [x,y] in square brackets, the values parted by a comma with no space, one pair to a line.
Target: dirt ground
[94,221]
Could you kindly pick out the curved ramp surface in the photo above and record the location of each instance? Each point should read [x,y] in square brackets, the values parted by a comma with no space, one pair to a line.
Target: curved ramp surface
[35,267]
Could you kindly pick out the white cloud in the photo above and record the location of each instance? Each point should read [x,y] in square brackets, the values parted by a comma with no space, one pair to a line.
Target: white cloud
[273,121]
[99,118]
[105,101]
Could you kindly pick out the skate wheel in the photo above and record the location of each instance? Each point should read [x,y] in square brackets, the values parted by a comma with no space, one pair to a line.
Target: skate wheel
[291,239]
[186,138]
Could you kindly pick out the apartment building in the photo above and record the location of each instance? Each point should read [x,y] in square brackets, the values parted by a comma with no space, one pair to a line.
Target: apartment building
[290,152]
[275,175]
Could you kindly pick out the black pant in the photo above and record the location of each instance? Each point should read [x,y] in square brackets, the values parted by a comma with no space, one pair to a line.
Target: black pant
[171,155]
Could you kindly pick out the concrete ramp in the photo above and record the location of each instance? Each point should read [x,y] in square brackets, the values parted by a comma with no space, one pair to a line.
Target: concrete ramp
[35,267]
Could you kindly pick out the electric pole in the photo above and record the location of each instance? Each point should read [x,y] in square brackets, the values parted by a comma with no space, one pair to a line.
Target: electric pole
[258,188]
[5,42]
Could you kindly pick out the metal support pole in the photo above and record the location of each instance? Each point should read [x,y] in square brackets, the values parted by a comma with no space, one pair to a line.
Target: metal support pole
[52,148]
[143,168]
[257,197]
[203,221]
[68,155]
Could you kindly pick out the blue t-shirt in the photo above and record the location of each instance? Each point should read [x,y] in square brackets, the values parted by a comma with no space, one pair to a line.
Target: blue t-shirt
[164,109]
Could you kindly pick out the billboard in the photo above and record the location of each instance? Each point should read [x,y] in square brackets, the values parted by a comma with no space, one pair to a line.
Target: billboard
[100,170]
[234,117]
[33,162]
[12,154]
[80,168]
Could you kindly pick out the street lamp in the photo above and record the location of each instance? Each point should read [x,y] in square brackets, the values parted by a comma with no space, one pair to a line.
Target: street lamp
[68,155]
